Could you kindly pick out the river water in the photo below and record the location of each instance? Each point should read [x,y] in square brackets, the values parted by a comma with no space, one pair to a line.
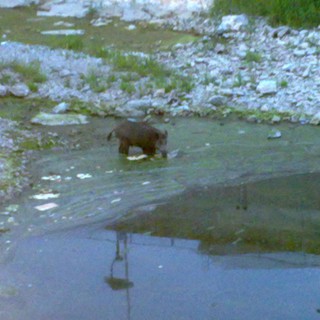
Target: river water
[226,228]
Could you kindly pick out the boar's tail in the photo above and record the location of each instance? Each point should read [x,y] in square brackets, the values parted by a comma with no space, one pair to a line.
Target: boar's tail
[110,135]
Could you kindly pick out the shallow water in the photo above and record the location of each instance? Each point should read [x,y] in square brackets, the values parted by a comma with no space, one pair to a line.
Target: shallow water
[75,275]
[228,228]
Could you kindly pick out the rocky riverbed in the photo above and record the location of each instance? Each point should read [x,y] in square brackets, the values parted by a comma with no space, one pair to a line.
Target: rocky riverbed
[238,65]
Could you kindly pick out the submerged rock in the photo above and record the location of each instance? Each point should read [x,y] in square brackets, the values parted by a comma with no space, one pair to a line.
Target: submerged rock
[48,119]
[274,134]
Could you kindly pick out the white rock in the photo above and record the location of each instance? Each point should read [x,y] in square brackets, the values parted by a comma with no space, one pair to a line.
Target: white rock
[275,119]
[315,119]
[19,90]
[74,9]
[61,107]
[3,90]
[267,87]
[232,23]
[100,22]
[48,119]
[131,27]
[63,32]
[218,100]
[220,48]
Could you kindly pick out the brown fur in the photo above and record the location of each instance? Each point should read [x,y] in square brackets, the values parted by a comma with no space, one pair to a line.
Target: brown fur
[142,135]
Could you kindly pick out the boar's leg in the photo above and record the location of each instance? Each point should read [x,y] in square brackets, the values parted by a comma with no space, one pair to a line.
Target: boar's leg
[124,147]
[149,151]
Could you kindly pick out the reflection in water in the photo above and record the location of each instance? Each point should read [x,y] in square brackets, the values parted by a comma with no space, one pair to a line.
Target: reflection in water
[60,276]
[271,215]
[117,283]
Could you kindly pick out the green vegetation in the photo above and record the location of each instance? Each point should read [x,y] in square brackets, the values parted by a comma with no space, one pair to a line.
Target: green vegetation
[127,87]
[71,42]
[136,66]
[129,62]
[253,57]
[31,74]
[97,82]
[295,13]
[283,84]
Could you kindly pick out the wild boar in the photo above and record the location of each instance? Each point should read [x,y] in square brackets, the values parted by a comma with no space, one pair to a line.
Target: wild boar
[142,135]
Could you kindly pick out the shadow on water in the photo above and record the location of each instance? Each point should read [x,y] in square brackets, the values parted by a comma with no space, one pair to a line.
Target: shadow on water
[228,230]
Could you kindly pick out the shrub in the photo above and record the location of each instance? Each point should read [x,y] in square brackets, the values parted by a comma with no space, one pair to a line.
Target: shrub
[296,13]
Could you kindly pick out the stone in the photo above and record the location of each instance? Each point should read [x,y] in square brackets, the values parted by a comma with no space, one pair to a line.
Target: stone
[131,27]
[280,32]
[274,134]
[140,104]
[48,119]
[267,87]
[19,90]
[61,108]
[63,32]
[315,119]
[63,24]
[134,108]
[299,52]
[74,9]
[232,23]
[3,90]
[276,119]
[218,101]
[220,48]
[100,22]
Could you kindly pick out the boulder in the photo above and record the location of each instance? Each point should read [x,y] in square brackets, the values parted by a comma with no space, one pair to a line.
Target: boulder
[3,90]
[232,23]
[19,90]
[315,119]
[74,9]
[134,108]
[267,87]
[61,108]
[218,101]
[48,119]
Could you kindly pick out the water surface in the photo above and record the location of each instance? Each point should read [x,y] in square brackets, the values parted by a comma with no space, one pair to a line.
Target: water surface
[226,229]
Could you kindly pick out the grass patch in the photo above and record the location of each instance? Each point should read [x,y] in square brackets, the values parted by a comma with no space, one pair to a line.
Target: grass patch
[295,13]
[96,82]
[144,66]
[253,57]
[71,42]
[31,74]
